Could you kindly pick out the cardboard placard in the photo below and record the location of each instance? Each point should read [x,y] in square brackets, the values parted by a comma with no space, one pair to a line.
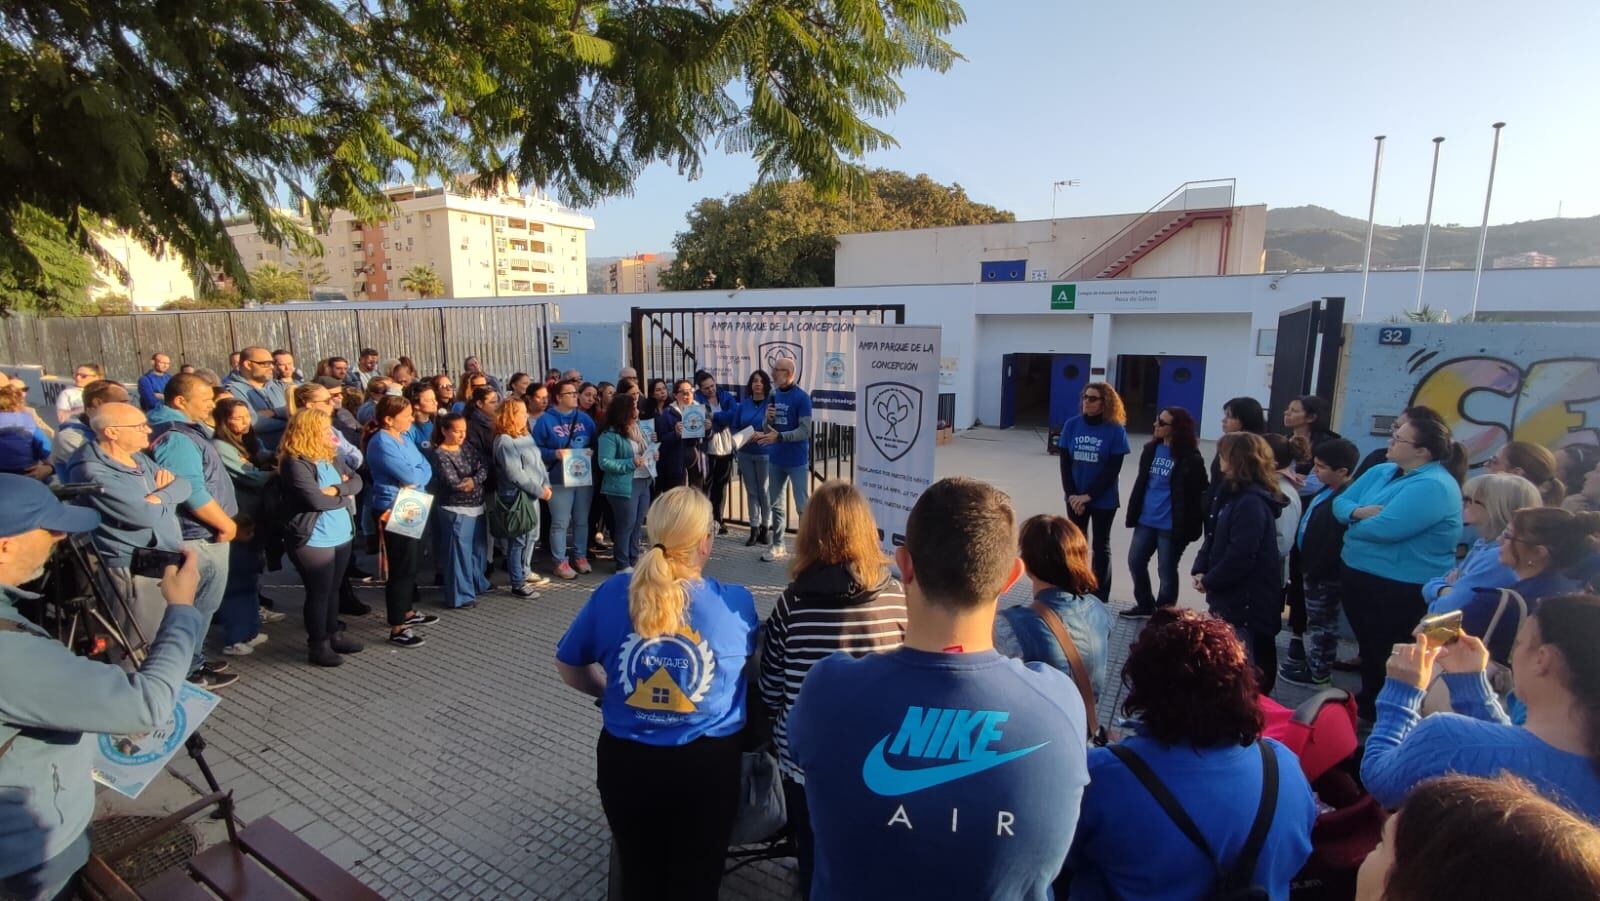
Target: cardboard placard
[694,421]
[409,515]
[576,469]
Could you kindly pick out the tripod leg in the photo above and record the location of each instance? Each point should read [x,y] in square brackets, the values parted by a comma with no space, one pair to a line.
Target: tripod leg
[196,746]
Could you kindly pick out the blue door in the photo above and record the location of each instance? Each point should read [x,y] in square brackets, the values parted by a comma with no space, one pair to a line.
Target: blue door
[1182,383]
[1008,390]
[1068,374]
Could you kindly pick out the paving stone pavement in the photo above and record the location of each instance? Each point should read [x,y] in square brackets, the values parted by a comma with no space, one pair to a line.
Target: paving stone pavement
[464,768]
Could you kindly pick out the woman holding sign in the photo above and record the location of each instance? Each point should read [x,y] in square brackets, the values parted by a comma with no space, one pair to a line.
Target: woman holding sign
[681,427]
[627,461]
[566,437]
[397,464]
[749,418]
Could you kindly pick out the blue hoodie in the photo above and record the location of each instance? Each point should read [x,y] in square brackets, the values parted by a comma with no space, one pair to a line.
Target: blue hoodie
[751,414]
[554,431]
[1414,538]
[394,463]
[127,520]
[1481,568]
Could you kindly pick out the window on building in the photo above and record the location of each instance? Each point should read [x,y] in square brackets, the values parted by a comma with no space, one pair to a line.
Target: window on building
[408,220]
[427,219]
[388,266]
[463,217]
[260,256]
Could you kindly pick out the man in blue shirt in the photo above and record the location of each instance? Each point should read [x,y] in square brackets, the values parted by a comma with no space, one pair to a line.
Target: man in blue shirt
[942,769]
[153,383]
[789,434]
[181,444]
[255,384]
[50,697]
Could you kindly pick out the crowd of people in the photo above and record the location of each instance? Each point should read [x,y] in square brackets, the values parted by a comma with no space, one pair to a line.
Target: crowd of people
[927,739]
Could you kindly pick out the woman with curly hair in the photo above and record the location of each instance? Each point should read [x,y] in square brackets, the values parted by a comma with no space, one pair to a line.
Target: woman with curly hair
[1166,509]
[1093,446]
[317,491]
[1193,691]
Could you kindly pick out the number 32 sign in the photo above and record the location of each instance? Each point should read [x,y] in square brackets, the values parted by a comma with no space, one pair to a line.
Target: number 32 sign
[1394,337]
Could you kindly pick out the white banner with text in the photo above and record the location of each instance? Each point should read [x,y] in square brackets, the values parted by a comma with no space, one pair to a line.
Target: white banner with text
[821,346]
[897,386]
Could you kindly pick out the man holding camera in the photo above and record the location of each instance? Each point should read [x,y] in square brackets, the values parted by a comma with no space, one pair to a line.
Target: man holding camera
[50,697]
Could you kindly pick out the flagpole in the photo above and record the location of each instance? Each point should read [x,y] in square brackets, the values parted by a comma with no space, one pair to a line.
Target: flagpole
[1372,209]
[1427,223]
[1483,231]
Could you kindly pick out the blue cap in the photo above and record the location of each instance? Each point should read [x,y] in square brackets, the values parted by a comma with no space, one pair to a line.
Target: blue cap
[29,505]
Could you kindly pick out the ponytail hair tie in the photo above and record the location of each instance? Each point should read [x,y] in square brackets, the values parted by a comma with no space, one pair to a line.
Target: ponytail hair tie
[660,547]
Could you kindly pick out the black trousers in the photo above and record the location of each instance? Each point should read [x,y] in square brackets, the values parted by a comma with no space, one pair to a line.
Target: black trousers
[805,849]
[321,571]
[1101,522]
[719,470]
[1294,594]
[400,593]
[1382,612]
[671,811]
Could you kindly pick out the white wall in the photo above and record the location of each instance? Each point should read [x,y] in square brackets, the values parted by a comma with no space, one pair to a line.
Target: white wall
[1215,317]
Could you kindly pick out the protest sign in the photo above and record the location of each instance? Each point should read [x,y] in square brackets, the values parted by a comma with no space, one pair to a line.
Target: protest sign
[897,387]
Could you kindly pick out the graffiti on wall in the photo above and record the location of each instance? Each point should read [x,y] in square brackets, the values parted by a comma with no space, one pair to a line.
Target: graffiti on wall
[1492,383]
[1488,401]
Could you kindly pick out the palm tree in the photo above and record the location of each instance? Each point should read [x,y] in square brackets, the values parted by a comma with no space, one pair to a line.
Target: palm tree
[423,280]
[312,273]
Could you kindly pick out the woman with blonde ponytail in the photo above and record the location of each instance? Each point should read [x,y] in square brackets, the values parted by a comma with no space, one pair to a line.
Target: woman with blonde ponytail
[664,649]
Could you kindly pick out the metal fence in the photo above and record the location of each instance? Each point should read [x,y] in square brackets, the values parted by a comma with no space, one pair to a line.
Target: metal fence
[508,336]
[665,342]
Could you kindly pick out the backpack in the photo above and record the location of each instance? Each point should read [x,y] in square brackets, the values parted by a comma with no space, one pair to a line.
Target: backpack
[1236,883]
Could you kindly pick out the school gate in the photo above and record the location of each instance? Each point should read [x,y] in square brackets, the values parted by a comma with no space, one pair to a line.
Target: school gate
[669,343]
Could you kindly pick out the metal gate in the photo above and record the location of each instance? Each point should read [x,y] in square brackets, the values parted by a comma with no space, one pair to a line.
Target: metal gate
[1306,358]
[665,345]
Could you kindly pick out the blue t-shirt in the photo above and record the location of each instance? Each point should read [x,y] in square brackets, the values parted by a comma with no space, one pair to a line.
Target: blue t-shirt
[939,775]
[421,434]
[675,688]
[333,527]
[1157,512]
[1091,446]
[792,405]
[1219,788]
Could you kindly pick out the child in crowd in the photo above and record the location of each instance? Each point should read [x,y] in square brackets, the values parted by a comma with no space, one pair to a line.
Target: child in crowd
[1320,539]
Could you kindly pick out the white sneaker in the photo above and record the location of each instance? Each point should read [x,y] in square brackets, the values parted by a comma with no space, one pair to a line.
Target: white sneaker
[774,553]
[239,650]
[271,616]
[260,639]
[625,570]
[536,579]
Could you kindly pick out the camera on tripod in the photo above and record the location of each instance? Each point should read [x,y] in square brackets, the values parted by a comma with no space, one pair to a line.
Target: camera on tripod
[80,603]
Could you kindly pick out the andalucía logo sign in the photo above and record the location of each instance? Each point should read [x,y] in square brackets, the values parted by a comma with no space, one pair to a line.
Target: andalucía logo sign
[893,417]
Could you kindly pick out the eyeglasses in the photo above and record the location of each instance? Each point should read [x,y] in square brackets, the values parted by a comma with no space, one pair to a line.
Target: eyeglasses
[1508,535]
[143,426]
[84,375]
[1396,439]
[1163,423]
[266,362]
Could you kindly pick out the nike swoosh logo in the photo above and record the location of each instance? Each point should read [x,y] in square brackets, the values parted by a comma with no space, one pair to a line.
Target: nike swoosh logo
[884,779]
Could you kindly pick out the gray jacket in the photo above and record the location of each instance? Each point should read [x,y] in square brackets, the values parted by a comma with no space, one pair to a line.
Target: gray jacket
[127,520]
[50,697]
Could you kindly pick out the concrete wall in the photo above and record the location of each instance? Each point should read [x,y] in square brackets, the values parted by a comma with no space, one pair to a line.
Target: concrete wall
[1492,383]
[933,256]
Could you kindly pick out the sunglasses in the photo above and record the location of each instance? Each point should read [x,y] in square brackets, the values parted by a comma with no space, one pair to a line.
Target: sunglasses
[1163,423]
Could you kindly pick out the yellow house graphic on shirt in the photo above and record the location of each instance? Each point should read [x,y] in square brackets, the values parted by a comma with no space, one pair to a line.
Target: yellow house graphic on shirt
[661,692]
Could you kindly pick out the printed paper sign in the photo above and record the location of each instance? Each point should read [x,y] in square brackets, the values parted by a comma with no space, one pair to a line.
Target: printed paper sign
[576,470]
[897,371]
[821,347]
[694,421]
[127,764]
[409,515]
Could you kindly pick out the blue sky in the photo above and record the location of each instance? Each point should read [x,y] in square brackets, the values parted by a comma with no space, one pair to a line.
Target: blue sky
[1285,97]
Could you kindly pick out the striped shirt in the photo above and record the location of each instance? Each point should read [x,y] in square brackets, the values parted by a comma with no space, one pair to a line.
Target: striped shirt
[823,611]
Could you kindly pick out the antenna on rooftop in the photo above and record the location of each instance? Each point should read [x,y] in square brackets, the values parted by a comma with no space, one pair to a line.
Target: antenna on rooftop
[1055,191]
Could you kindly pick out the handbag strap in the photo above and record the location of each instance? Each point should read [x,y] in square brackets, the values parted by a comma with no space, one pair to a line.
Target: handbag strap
[1506,596]
[1080,673]
[1244,867]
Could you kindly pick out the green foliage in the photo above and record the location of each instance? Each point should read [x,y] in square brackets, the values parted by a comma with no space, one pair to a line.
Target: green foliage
[217,300]
[42,270]
[786,235]
[160,120]
[311,273]
[271,283]
[113,303]
[423,280]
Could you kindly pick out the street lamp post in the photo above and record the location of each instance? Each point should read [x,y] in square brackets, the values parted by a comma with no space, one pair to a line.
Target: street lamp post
[1427,224]
[1372,209]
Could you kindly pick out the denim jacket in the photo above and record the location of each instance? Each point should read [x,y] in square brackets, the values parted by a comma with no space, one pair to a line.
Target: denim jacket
[1020,633]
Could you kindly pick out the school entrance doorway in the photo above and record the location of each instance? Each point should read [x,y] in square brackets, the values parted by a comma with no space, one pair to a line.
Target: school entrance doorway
[1041,390]
[1150,383]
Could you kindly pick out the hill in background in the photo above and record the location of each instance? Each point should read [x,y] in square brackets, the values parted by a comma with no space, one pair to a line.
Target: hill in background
[1307,237]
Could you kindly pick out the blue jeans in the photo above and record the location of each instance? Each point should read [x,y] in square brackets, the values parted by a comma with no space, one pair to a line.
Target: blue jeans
[627,518]
[465,555]
[799,477]
[1165,547]
[208,597]
[753,475]
[569,516]
[239,618]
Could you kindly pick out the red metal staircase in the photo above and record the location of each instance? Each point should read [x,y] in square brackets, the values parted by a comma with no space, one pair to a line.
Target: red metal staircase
[1190,203]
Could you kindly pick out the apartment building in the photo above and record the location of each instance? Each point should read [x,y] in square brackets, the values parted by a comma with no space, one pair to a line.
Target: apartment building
[500,243]
[638,274]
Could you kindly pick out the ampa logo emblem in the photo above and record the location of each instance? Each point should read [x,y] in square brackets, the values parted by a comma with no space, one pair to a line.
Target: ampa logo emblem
[773,351]
[893,416]
[833,368]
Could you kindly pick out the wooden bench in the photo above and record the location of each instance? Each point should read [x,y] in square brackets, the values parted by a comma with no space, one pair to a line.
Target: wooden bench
[261,862]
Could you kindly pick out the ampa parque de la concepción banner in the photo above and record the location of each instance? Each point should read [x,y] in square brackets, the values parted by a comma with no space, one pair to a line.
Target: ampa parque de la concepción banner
[897,388]
[732,346]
